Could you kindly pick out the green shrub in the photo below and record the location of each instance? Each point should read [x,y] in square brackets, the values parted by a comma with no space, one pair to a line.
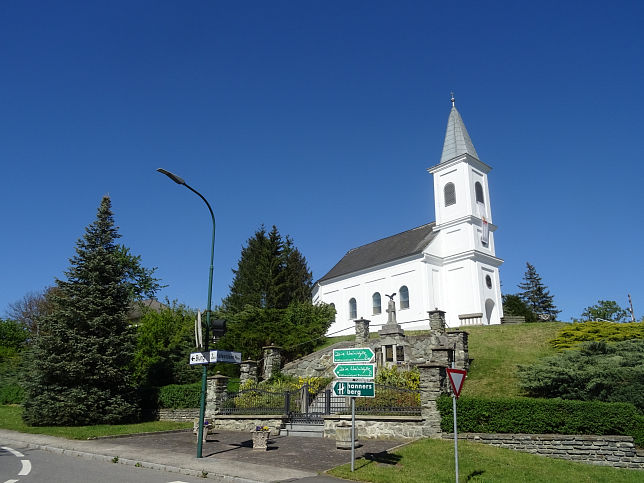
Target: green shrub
[11,394]
[576,333]
[176,396]
[391,376]
[596,371]
[542,416]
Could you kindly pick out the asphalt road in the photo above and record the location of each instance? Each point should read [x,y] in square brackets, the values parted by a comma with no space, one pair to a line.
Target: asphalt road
[22,465]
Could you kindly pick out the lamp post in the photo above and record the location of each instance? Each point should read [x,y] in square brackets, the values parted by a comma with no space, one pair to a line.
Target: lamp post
[204,377]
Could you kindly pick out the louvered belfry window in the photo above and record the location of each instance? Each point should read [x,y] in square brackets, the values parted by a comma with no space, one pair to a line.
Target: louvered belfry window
[479,192]
[450,194]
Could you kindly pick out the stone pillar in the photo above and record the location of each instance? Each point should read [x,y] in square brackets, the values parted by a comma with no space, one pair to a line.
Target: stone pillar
[432,379]
[272,360]
[247,372]
[216,394]
[437,321]
[362,332]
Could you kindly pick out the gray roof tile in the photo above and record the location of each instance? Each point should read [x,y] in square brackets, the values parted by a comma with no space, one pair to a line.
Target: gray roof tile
[376,253]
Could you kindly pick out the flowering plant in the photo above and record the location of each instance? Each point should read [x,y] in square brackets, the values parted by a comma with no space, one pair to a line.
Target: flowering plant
[262,428]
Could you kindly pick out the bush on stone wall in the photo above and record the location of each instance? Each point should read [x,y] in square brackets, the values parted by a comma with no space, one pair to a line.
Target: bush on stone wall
[542,416]
[178,396]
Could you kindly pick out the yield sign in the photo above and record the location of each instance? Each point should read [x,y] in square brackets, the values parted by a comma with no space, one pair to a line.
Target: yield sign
[456,378]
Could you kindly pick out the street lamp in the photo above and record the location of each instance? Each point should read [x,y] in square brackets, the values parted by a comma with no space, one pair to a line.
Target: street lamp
[204,378]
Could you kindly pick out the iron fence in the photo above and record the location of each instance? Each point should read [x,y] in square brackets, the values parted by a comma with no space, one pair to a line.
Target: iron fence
[302,405]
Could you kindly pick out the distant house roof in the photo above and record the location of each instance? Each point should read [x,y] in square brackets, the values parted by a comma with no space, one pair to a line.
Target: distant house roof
[135,312]
[410,242]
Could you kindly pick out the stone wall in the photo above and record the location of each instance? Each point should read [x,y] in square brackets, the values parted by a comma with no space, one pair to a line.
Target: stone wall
[418,349]
[178,414]
[243,422]
[378,427]
[618,451]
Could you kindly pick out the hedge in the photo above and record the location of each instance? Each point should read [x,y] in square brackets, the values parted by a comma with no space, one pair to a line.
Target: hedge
[180,396]
[11,394]
[542,416]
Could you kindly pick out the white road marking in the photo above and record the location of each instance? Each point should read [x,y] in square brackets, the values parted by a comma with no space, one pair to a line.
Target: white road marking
[26,468]
[14,452]
[11,481]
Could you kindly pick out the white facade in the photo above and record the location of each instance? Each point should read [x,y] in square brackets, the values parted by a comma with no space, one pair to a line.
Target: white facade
[448,265]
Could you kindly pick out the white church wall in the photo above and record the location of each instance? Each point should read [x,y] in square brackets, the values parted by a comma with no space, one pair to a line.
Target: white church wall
[386,280]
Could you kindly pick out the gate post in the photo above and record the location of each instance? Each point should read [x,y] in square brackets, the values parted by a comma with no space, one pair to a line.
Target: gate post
[327,401]
[432,380]
[217,386]
[287,402]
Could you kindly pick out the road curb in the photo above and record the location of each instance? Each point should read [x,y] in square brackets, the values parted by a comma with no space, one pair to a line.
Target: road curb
[131,462]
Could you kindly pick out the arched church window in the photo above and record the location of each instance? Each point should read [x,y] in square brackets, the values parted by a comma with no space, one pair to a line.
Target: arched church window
[353,309]
[404,297]
[488,281]
[334,311]
[478,189]
[376,302]
[450,194]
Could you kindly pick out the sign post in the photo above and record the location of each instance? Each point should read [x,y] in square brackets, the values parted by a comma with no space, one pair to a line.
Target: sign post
[354,363]
[456,379]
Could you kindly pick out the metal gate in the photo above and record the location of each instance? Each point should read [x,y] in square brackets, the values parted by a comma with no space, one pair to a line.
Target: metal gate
[307,408]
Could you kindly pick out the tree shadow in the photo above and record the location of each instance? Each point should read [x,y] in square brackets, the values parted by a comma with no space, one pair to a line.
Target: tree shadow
[383,458]
[474,474]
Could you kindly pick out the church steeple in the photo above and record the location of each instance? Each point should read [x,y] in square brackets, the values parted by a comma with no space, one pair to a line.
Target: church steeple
[457,140]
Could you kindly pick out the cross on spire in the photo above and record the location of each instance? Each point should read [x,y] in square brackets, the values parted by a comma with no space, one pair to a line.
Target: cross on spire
[453,100]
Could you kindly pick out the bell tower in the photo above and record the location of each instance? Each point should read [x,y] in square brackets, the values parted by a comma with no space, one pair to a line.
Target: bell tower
[465,229]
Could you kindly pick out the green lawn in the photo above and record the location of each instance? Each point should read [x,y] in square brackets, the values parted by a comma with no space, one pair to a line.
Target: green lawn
[433,460]
[11,418]
[497,349]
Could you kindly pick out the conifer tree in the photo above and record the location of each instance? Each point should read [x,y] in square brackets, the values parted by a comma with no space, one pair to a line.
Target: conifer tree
[271,273]
[536,295]
[81,363]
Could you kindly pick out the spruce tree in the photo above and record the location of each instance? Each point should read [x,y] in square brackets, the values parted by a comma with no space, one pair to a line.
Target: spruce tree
[536,295]
[271,273]
[81,363]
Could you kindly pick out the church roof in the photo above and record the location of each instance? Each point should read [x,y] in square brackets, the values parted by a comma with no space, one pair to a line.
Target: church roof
[457,140]
[410,242]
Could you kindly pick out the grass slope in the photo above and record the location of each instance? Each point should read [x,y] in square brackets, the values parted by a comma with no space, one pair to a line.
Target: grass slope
[497,350]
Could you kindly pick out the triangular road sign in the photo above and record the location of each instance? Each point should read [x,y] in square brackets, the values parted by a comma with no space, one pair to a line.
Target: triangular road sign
[456,378]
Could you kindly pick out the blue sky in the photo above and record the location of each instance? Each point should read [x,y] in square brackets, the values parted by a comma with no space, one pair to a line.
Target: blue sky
[321,118]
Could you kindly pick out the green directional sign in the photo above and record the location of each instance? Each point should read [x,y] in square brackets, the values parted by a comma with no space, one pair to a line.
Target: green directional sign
[359,371]
[354,388]
[356,354]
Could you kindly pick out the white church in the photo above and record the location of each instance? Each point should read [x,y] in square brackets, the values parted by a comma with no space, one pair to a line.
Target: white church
[449,264]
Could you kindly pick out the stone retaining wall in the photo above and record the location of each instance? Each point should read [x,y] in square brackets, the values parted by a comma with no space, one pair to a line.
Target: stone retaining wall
[617,451]
[378,427]
[178,414]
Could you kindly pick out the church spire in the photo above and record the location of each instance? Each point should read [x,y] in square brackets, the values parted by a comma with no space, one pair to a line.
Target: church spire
[457,140]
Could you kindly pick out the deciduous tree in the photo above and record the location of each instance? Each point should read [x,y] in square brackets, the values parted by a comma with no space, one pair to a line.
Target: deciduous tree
[605,310]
